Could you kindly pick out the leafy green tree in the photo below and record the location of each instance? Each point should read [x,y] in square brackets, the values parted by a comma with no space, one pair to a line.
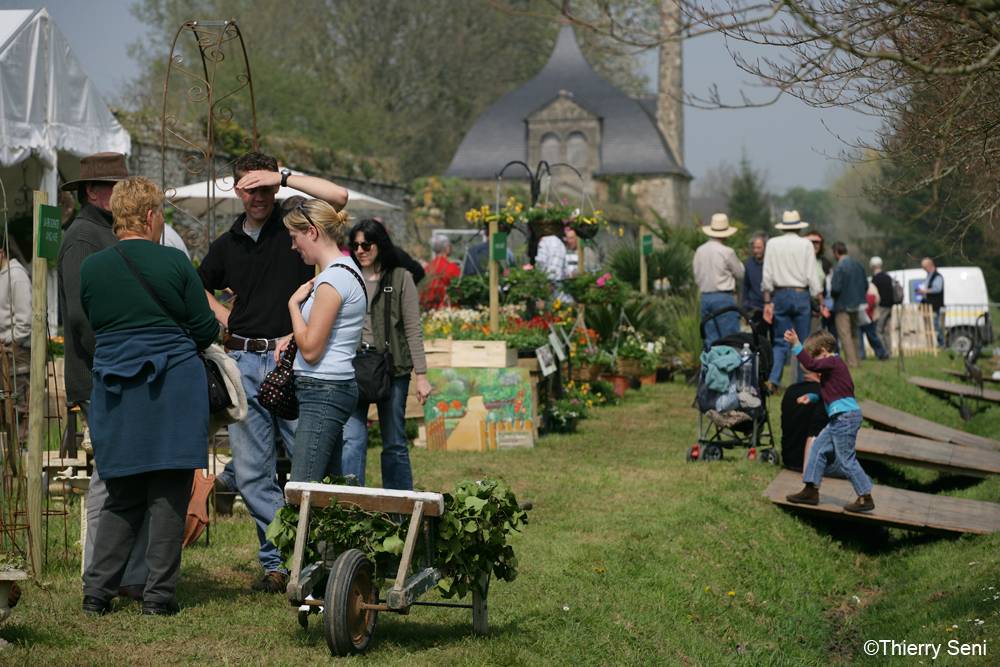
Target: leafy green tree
[392,78]
[748,202]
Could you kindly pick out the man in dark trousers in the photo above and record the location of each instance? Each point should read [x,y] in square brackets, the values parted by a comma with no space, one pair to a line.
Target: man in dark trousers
[753,273]
[847,287]
[254,259]
[800,423]
[886,298]
[933,292]
[90,232]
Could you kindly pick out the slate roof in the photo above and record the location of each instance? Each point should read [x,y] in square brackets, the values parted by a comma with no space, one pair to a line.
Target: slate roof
[631,142]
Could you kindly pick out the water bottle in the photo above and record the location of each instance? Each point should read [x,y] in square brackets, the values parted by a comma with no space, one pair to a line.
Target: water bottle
[746,380]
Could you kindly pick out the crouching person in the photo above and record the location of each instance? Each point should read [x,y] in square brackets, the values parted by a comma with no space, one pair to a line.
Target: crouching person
[149,428]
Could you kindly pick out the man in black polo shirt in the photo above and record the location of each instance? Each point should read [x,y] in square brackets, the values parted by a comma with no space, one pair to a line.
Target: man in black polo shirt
[255,260]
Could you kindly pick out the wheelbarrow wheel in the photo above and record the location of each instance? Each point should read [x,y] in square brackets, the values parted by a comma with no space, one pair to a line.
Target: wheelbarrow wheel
[347,625]
[480,609]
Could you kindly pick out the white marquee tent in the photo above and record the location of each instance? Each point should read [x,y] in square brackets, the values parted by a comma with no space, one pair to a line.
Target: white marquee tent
[50,112]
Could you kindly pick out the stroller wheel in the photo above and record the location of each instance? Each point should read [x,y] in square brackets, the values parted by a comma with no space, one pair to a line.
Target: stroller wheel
[769,456]
[694,453]
[711,453]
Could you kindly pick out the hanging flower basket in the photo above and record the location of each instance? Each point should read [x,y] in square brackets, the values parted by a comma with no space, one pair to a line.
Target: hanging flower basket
[587,226]
[506,217]
[585,231]
[630,367]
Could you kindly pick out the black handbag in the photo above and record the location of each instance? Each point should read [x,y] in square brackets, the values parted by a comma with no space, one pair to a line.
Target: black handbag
[372,369]
[277,391]
[218,395]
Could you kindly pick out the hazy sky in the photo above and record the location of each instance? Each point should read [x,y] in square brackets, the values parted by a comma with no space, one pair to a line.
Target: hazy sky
[787,141]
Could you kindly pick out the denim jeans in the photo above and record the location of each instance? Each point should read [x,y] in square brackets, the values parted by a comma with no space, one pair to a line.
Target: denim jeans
[838,439]
[939,327]
[396,471]
[868,331]
[324,406]
[792,310]
[723,325]
[254,452]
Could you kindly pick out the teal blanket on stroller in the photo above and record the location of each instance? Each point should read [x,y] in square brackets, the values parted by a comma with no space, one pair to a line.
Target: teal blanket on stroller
[718,363]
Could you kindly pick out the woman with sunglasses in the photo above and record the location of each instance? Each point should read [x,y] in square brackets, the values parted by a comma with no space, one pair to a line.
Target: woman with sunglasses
[327,316]
[823,318]
[386,279]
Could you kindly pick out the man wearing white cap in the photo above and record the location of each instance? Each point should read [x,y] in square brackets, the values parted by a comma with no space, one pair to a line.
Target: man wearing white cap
[789,285]
[716,272]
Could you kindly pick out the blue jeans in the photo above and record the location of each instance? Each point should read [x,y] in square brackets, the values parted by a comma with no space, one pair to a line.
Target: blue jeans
[254,453]
[939,327]
[396,471]
[838,439]
[868,331]
[324,406]
[723,325]
[792,310]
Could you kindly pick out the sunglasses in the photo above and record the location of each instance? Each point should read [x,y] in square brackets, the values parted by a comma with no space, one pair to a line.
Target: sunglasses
[301,208]
[361,245]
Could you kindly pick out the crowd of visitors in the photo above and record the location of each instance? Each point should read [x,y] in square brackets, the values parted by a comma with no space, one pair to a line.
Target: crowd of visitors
[789,283]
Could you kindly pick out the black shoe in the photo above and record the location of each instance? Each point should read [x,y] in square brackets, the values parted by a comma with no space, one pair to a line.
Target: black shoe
[94,606]
[272,582]
[160,608]
[224,498]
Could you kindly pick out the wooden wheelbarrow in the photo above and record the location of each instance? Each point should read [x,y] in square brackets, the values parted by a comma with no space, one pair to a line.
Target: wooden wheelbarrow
[352,600]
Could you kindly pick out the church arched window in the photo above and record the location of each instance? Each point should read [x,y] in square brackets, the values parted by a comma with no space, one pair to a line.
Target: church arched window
[577,151]
[550,147]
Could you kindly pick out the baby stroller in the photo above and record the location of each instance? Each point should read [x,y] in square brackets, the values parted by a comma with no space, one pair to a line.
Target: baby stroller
[732,404]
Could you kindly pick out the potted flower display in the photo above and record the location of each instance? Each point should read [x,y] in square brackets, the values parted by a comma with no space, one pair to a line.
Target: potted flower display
[506,217]
[549,219]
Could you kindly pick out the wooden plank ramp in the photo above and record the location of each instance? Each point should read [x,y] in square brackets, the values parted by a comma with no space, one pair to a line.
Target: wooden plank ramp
[954,389]
[965,376]
[890,419]
[912,450]
[897,508]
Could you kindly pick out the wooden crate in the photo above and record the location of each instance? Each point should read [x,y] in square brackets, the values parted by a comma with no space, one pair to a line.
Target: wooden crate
[438,352]
[482,354]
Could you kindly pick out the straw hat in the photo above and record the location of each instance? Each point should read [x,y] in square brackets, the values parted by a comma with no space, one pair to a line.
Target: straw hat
[105,167]
[719,227]
[790,220]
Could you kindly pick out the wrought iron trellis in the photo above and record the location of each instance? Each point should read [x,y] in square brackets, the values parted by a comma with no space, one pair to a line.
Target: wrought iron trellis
[209,93]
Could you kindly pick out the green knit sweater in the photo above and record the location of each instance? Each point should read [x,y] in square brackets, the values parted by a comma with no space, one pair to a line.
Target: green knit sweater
[114,300]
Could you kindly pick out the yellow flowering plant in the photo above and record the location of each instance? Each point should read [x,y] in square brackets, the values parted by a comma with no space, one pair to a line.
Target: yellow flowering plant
[511,213]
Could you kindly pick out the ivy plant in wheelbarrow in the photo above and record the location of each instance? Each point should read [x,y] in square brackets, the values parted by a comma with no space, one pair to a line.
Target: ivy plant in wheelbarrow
[353,552]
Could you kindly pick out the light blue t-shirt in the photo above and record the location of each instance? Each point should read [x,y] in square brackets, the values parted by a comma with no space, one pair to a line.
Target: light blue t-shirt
[337,362]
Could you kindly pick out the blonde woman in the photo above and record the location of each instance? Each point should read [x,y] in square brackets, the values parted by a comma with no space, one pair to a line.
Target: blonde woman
[148,426]
[327,314]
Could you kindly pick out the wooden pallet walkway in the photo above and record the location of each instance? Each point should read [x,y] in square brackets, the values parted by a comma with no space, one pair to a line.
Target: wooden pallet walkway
[912,450]
[954,389]
[965,376]
[897,508]
[890,419]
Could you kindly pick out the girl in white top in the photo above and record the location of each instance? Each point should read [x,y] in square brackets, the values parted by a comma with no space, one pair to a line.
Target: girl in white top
[327,317]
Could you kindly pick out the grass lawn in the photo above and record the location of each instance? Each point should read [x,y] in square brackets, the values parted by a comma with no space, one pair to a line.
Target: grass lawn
[632,556]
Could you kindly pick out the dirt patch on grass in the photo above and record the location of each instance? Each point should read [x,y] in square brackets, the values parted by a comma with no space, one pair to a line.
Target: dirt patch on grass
[845,634]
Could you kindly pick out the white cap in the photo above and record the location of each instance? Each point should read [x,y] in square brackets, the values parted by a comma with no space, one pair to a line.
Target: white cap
[875,261]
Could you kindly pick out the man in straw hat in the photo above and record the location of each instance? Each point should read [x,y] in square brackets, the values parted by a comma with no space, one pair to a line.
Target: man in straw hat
[789,285]
[90,232]
[716,272]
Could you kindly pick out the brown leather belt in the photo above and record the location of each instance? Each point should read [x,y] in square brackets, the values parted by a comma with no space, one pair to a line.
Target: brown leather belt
[794,289]
[242,344]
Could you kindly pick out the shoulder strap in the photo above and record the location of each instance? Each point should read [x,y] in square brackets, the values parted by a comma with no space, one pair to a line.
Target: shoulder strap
[364,292]
[149,289]
[387,297]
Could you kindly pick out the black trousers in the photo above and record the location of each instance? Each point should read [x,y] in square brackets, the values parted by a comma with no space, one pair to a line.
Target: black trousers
[163,496]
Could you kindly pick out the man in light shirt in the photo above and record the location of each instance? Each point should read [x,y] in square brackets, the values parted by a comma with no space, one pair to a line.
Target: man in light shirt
[716,271]
[789,285]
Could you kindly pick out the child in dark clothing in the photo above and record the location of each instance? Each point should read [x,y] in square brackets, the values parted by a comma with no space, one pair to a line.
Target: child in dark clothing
[840,434]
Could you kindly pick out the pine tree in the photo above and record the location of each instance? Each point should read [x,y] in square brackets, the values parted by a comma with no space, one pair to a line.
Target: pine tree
[748,203]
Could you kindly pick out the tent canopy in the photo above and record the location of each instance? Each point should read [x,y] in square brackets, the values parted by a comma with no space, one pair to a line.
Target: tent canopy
[47,103]
[194,199]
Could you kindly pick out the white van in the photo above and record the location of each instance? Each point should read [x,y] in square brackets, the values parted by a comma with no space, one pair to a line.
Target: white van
[965,301]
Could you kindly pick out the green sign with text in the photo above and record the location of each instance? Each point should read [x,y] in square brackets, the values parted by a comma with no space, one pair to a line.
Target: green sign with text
[647,244]
[499,253]
[49,231]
